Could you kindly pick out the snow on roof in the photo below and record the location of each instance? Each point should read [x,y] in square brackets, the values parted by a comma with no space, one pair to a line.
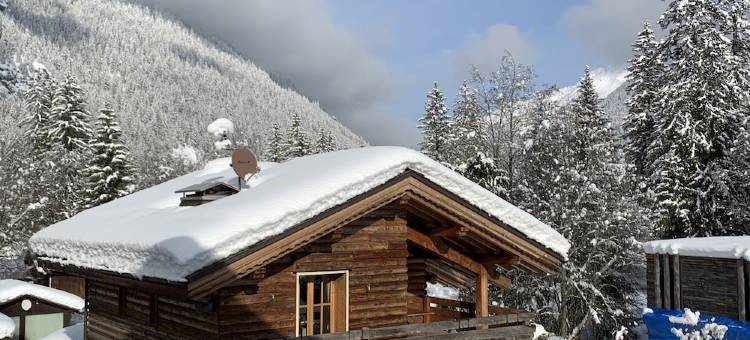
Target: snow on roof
[13,289]
[729,247]
[7,326]
[147,233]
[73,332]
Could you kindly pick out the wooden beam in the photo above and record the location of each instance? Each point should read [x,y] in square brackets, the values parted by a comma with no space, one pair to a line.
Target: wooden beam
[502,261]
[425,242]
[666,279]
[449,254]
[657,282]
[481,294]
[450,231]
[499,280]
[676,285]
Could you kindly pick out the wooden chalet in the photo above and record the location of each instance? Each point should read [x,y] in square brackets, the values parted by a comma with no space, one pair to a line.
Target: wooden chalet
[709,274]
[358,266]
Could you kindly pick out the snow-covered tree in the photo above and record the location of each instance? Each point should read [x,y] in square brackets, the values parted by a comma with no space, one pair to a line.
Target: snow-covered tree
[298,145]
[701,113]
[594,217]
[643,84]
[466,126]
[277,148]
[434,125]
[109,174]
[573,183]
[69,119]
[221,129]
[39,106]
[325,142]
[503,93]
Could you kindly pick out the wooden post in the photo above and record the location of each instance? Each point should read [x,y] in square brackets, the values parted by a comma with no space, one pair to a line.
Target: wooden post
[310,298]
[667,294]
[563,306]
[85,308]
[676,285]
[741,293]
[657,281]
[427,317]
[481,294]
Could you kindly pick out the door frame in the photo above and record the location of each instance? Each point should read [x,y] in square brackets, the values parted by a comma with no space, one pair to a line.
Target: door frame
[296,295]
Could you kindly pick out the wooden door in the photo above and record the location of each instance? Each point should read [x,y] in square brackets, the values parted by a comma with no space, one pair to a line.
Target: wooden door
[322,303]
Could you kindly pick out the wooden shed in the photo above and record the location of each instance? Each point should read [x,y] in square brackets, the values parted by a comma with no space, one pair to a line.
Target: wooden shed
[352,250]
[707,274]
[36,310]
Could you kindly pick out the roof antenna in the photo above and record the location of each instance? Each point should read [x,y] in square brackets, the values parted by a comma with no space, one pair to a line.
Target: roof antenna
[243,163]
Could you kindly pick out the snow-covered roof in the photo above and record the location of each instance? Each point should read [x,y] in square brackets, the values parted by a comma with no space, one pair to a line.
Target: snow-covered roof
[7,326]
[13,289]
[147,233]
[729,247]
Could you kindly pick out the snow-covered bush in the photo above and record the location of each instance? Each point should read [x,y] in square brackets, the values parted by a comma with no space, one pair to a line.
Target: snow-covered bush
[690,328]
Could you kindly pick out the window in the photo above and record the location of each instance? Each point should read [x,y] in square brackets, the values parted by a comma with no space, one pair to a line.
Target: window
[41,325]
[322,303]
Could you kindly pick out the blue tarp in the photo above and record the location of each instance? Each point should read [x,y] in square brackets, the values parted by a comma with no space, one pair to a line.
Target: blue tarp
[659,327]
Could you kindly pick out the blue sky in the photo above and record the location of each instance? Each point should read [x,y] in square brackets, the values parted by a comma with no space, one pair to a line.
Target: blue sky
[419,40]
[370,62]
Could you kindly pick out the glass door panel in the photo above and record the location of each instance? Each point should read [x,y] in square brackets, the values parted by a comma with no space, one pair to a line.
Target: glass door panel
[317,306]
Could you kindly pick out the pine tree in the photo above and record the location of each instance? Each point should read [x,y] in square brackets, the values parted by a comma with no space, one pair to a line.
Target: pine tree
[465,127]
[594,216]
[277,149]
[643,83]
[572,182]
[434,125]
[69,119]
[701,114]
[39,106]
[296,139]
[325,142]
[109,174]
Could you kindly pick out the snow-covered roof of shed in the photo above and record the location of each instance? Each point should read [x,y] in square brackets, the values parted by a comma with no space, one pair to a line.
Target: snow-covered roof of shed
[13,289]
[147,233]
[728,247]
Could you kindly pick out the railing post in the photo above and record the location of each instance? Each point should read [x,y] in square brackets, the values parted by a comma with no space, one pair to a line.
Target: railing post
[426,317]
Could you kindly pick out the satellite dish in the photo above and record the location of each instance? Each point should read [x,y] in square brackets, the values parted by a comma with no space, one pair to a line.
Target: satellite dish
[244,162]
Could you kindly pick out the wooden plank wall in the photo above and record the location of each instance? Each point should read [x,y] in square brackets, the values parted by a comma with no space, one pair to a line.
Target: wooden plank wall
[71,284]
[372,248]
[174,319]
[709,285]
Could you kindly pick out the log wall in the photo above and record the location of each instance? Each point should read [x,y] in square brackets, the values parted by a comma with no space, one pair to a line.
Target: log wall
[373,249]
[709,285]
[117,313]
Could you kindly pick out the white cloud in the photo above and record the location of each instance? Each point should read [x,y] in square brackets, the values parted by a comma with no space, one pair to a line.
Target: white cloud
[297,40]
[485,49]
[608,27]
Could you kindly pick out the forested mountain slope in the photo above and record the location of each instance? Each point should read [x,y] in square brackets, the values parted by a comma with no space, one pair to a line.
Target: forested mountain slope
[166,83]
[163,83]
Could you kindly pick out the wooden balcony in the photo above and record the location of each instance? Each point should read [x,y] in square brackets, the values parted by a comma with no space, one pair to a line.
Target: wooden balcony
[448,319]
